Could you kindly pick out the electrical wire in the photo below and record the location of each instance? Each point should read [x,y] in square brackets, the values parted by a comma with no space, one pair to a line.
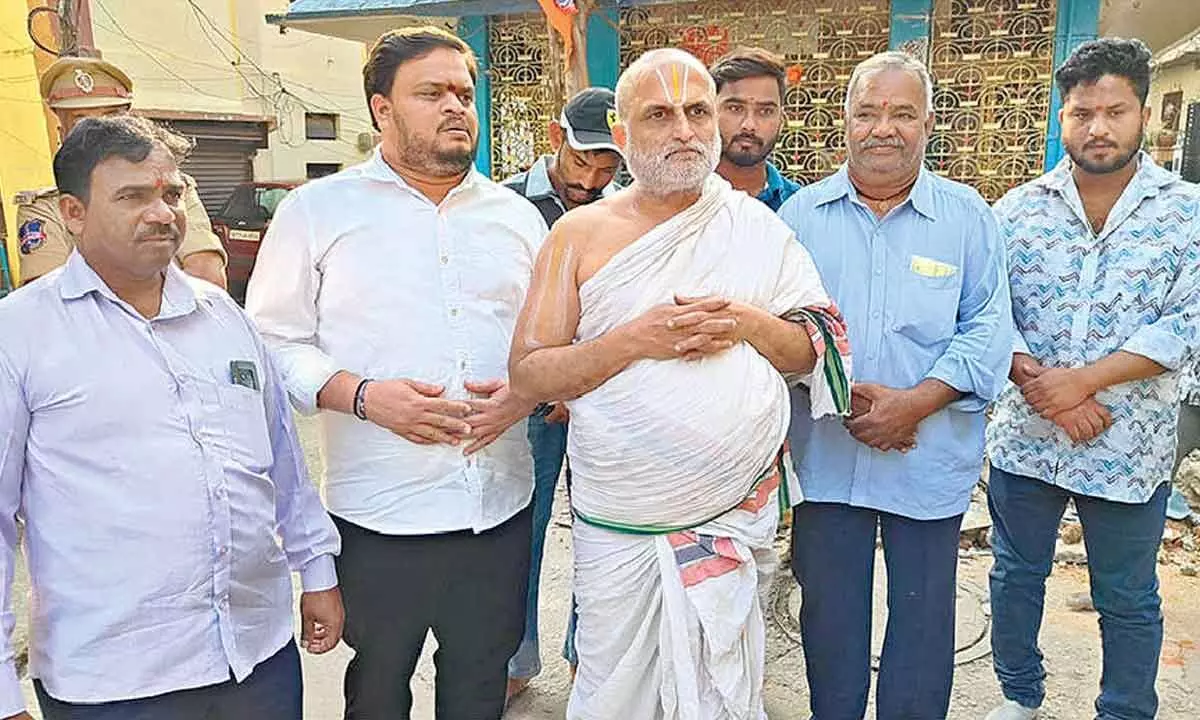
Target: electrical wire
[154,59]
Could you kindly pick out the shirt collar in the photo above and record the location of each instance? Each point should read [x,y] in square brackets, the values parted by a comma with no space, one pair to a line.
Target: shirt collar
[538,185]
[921,196]
[537,180]
[1148,179]
[377,169]
[776,182]
[78,280]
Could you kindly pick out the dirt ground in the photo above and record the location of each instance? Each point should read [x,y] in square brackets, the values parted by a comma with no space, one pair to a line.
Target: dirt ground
[1070,641]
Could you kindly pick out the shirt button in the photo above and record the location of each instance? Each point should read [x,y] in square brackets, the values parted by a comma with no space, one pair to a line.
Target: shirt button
[875,315]
[445,260]
[453,312]
[222,550]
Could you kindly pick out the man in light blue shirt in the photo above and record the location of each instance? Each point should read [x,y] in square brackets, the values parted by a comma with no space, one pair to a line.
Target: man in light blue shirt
[147,444]
[1105,258]
[916,266]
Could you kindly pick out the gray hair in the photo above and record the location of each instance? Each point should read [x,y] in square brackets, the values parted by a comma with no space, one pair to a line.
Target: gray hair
[891,60]
[646,62]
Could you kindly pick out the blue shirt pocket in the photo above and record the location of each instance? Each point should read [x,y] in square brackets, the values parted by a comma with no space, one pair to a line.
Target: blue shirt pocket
[927,309]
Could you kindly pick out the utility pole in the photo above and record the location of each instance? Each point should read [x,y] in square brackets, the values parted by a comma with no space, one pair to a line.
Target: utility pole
[75,29]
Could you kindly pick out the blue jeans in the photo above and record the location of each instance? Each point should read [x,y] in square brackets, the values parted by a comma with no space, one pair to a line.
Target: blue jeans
[273,691]
[548,442]
[1122,547]
[833,559]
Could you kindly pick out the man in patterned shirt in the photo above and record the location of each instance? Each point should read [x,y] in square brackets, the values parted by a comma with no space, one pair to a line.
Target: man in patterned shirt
[1104,262]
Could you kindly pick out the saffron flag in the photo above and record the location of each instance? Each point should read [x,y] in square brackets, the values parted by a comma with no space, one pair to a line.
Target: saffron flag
[561,15]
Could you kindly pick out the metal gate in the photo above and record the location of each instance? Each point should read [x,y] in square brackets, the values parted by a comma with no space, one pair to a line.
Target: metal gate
[992,62]
[523,99]
[1189,168]
[822,40]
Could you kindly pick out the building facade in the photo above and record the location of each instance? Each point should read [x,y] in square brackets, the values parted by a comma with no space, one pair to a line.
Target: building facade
[1174,133]
[260,104]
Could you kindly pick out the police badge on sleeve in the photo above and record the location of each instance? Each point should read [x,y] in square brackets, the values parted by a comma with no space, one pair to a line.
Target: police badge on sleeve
[31,235]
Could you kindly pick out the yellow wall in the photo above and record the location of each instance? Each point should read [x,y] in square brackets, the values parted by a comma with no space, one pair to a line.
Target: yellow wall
[191,69]
[25,151]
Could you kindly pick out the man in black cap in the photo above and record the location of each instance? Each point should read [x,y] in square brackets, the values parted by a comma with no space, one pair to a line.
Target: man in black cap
[580,171]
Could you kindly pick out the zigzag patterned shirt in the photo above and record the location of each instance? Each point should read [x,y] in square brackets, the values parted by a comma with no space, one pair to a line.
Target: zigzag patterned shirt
[1078,297]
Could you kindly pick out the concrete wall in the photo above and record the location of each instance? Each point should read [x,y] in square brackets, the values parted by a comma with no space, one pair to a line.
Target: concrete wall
[223,58]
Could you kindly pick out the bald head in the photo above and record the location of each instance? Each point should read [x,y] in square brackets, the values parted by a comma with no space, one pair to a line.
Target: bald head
[671,73]
[667,126]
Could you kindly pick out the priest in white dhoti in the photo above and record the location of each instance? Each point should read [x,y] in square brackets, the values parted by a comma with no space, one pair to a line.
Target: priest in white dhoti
[671,317]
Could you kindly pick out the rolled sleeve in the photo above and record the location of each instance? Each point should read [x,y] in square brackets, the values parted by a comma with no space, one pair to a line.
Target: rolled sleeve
[977,361]
[282,301]
[1173,339]
[1019,345]
[1159,344]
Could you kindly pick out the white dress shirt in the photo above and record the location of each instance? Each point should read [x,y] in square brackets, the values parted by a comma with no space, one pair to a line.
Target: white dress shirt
[156,493]
[361,272]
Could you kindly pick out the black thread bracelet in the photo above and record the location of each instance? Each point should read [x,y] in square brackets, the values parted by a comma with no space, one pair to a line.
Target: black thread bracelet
[360,405]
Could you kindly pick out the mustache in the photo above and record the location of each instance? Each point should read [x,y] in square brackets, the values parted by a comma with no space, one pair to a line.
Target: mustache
[676,147]
[882,142]
[751,138]
[165,232]
[1099,144]
[454,125]
[582,189]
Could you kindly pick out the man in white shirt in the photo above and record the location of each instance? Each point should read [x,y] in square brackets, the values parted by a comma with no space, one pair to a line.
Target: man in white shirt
[146,442]
[389,293]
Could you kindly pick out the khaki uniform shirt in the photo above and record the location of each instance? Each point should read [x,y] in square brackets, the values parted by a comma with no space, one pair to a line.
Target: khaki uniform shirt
[46,243]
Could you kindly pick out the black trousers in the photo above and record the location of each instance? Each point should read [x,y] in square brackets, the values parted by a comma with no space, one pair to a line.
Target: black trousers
[469,589]
[272,692]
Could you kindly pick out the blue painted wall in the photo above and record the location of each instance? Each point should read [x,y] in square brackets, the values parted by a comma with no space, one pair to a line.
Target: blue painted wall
[1078,22]
[474,30]
[911,21]
[603,48]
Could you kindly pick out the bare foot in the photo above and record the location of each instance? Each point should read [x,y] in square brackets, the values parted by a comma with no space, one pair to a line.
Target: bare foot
[516,686]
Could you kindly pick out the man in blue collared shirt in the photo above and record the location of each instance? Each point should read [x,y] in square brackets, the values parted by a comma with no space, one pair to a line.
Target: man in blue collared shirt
[750,89]
[916,266]
[580,171]
[147,443]
[1105,257]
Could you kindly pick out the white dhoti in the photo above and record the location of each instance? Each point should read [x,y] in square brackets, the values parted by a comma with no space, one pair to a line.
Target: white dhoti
[676,471]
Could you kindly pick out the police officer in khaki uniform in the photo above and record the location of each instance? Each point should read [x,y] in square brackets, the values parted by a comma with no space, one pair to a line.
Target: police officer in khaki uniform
[79,87]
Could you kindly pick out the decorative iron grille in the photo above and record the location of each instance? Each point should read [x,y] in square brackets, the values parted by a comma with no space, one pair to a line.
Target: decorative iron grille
[824,39]
[992,61]
[523,97]
[1189,167]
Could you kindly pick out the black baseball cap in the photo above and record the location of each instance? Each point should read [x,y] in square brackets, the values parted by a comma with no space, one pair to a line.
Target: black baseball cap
[588,119]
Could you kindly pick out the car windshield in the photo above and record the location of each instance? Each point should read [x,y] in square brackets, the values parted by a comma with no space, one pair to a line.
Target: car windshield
[252,207]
